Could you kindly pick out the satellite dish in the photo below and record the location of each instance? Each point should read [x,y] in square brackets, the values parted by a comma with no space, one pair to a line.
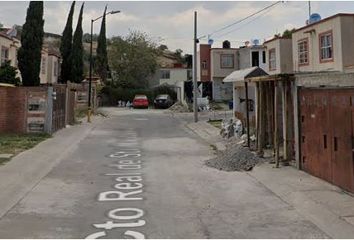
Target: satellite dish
[314,17]
[210,41]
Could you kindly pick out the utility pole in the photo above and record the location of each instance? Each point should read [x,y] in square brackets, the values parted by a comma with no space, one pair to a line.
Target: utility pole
[195,87]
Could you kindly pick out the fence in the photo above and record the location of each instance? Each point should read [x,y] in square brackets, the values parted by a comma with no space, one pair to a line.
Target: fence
[41,109]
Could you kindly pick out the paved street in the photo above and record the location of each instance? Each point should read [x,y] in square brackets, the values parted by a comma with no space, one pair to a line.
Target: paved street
[140,173]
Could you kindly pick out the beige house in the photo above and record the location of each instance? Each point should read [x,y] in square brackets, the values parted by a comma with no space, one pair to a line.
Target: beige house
[223,61]
[175,77]
[326,45]
[279,55]
[9,47]
[49,67]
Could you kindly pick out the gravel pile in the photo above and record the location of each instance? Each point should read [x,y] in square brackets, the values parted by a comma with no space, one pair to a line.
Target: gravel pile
[179,108]
[235,158]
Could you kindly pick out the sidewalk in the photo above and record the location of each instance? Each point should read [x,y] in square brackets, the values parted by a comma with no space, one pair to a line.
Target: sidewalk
[327,206]
[24,171]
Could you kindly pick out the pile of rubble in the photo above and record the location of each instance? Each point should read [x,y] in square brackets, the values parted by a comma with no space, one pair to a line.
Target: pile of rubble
[236,157]
[179,108]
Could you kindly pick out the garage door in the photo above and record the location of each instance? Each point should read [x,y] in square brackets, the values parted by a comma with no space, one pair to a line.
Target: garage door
[326,127]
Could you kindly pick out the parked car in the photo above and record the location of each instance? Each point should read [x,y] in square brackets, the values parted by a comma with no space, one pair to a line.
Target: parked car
[163,101]
[140,101]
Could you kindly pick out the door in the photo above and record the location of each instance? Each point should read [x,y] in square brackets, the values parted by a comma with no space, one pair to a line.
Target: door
[326,135]
[342,138]
[255,59]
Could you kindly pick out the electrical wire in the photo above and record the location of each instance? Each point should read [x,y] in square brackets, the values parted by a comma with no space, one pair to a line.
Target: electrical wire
[245,18]
[254,19]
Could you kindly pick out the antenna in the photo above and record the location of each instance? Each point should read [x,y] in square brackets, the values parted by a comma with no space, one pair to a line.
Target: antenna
[309,9]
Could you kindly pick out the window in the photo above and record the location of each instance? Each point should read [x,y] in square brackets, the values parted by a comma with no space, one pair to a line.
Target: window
[303,52]
[204,65]
[4,55]
[272,60]
[43,65]
[55,68]
[326,46]
[189,74]
[264,57]
[165,74]
[227,60]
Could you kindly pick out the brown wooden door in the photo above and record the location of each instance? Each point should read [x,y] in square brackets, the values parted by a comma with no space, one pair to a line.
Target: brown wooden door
[326,127]
[342,132]
[315,143]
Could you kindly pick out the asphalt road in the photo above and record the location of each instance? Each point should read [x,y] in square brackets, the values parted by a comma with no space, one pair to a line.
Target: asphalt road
[140,173]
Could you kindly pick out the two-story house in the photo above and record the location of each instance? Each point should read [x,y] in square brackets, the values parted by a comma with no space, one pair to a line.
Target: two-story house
[213,65]
[9,46]
[251,61]
[323,57]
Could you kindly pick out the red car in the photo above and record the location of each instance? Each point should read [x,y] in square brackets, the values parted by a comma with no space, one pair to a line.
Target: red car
[140,101]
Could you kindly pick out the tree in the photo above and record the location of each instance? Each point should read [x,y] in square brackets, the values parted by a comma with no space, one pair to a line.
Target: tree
[77,70]
[101,63]
[87,37]
[8,74]
[288,33]
[134,59]
[66,47]
[29,55]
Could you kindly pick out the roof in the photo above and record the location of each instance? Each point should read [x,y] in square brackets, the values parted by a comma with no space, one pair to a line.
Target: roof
[2,34]
[325,19]
[275,38]
[241,75]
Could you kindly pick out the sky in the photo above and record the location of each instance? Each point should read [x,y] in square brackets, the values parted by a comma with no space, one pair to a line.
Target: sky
[171,23]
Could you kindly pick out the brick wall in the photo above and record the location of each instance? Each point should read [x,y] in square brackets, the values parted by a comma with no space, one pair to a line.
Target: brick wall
[12,110]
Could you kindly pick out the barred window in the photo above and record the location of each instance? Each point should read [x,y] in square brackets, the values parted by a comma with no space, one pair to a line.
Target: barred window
[303,51]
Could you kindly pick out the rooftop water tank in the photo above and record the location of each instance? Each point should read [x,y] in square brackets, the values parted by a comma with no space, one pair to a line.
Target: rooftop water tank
[314,17]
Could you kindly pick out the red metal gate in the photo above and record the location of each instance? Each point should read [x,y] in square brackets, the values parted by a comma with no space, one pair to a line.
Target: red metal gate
[326,126]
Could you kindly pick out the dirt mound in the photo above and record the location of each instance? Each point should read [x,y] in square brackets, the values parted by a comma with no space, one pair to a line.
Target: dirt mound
[235,158]
[178,107]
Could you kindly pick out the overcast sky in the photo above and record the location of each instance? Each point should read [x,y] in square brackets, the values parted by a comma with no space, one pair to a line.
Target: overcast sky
[171,23]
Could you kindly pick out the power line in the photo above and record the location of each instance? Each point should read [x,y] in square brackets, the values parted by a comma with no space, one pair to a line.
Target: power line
[254,19]
[245,18]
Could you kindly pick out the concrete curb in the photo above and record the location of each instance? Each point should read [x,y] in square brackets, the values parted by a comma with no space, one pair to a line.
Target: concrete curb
[208,133]
[25,170]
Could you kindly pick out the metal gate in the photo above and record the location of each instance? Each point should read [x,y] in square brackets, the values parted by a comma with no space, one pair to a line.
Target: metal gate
[59,102]
[326,127]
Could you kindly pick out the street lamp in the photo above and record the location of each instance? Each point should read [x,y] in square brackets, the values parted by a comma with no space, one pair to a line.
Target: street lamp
[90,76]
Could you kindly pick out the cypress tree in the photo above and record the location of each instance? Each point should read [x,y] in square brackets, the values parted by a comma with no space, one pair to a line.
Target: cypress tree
[101,59]
[66,47]
[77,70]
[29,55]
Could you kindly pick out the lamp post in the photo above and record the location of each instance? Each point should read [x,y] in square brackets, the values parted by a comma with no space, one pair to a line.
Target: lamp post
[90,76]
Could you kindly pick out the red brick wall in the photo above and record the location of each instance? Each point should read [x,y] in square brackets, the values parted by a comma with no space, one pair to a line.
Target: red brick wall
[12,110]
[204,50]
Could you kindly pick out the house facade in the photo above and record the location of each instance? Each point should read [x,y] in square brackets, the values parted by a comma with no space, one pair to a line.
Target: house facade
[50,60]
[8,49]
[213,65]
[176,77]
[323,62]
[279,54]
[325,45]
